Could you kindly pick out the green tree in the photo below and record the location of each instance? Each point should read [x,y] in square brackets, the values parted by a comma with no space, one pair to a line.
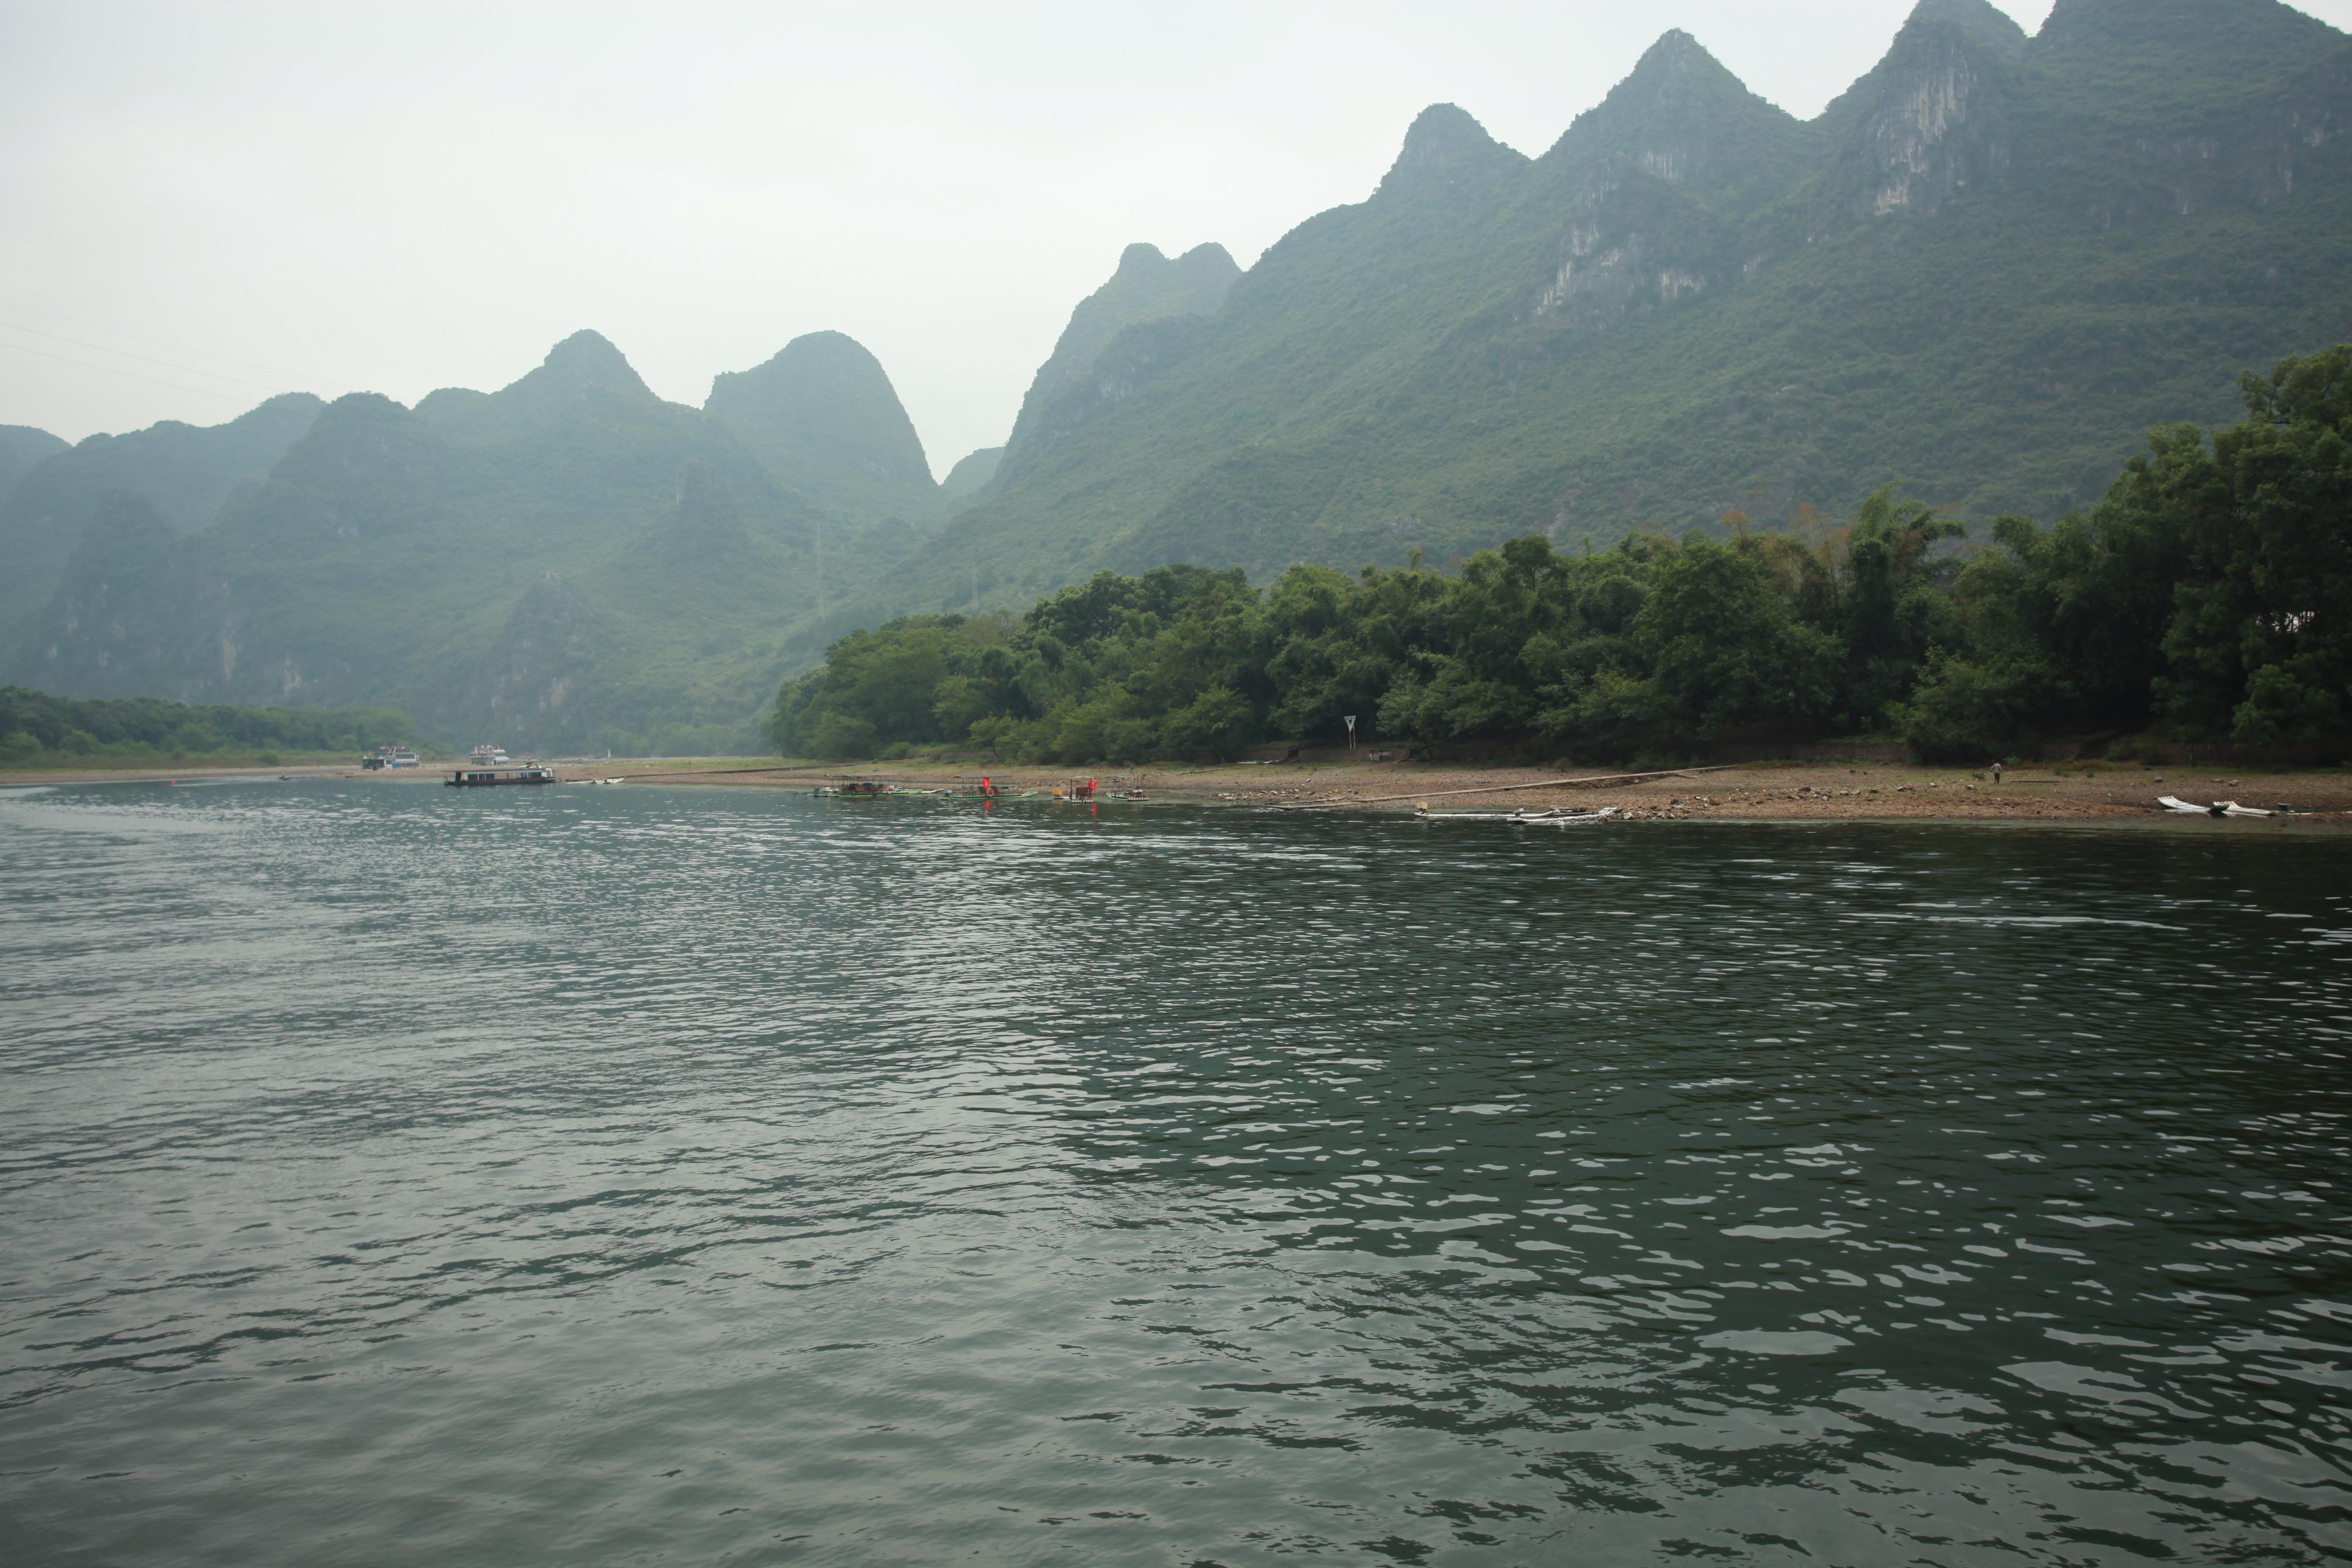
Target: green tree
[1725,648]
[2260,646]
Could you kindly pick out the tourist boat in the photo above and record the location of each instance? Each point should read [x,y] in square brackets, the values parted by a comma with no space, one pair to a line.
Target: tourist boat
[487,756]
[484,778]
[388,757]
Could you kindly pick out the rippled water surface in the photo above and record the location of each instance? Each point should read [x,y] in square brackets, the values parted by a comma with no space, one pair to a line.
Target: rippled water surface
[392,1174]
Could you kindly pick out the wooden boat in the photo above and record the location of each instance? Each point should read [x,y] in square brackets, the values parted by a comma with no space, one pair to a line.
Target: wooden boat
[857,789]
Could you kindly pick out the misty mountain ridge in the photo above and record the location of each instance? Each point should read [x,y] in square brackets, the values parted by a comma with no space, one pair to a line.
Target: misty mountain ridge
[1988,267]
[566,560]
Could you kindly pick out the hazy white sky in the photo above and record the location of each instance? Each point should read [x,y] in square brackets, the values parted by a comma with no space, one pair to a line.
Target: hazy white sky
[209,202]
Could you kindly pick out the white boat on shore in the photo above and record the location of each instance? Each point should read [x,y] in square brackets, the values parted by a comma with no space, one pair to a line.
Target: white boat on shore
[2219,808]
[1558,817]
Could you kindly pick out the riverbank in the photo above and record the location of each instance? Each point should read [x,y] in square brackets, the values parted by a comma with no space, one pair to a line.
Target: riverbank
[1749,792]
[24,777]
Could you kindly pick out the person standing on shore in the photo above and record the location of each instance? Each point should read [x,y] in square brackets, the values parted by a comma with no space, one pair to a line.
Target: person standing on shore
[1996,772]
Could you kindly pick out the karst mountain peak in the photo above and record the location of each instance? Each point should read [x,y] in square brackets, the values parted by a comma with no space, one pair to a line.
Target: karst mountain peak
[588,359]
[1443,148]
[1980,20]
[824,393]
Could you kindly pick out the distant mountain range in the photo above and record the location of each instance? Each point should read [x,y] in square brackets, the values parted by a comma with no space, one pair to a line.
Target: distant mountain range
[1987,268]
[567,562]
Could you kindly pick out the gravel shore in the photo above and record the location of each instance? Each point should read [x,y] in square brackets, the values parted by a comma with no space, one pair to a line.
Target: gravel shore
[2081,793]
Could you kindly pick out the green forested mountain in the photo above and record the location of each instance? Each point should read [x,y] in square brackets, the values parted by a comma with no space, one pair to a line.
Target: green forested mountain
[822,417]
[1988,270]
[186,472]
[568,562]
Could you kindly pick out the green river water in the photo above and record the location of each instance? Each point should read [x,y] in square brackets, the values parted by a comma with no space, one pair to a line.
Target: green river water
[392,1175]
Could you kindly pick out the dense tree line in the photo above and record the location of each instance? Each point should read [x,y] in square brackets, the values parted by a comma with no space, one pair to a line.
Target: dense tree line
[35,726]
[2209,596]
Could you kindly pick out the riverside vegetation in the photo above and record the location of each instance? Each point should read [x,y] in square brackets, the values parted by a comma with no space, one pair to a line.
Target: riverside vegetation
[40,730]
[2205,594]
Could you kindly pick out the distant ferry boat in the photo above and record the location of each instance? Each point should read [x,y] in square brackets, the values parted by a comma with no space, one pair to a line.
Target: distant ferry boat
[482,778]
[389,757]
[488,757]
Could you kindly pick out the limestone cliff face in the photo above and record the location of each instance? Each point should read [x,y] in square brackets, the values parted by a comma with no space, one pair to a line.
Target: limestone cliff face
[1645,197]
[2118,112]
[1932,121]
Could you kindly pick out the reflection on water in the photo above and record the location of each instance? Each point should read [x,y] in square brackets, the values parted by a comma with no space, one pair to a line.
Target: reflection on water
[394,1175]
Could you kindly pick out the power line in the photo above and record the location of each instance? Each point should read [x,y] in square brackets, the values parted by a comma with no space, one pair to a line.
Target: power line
[144,359]
[21,307]
[158,381]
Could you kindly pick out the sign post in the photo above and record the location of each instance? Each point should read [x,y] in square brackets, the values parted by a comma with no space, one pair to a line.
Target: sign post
[1351,732]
